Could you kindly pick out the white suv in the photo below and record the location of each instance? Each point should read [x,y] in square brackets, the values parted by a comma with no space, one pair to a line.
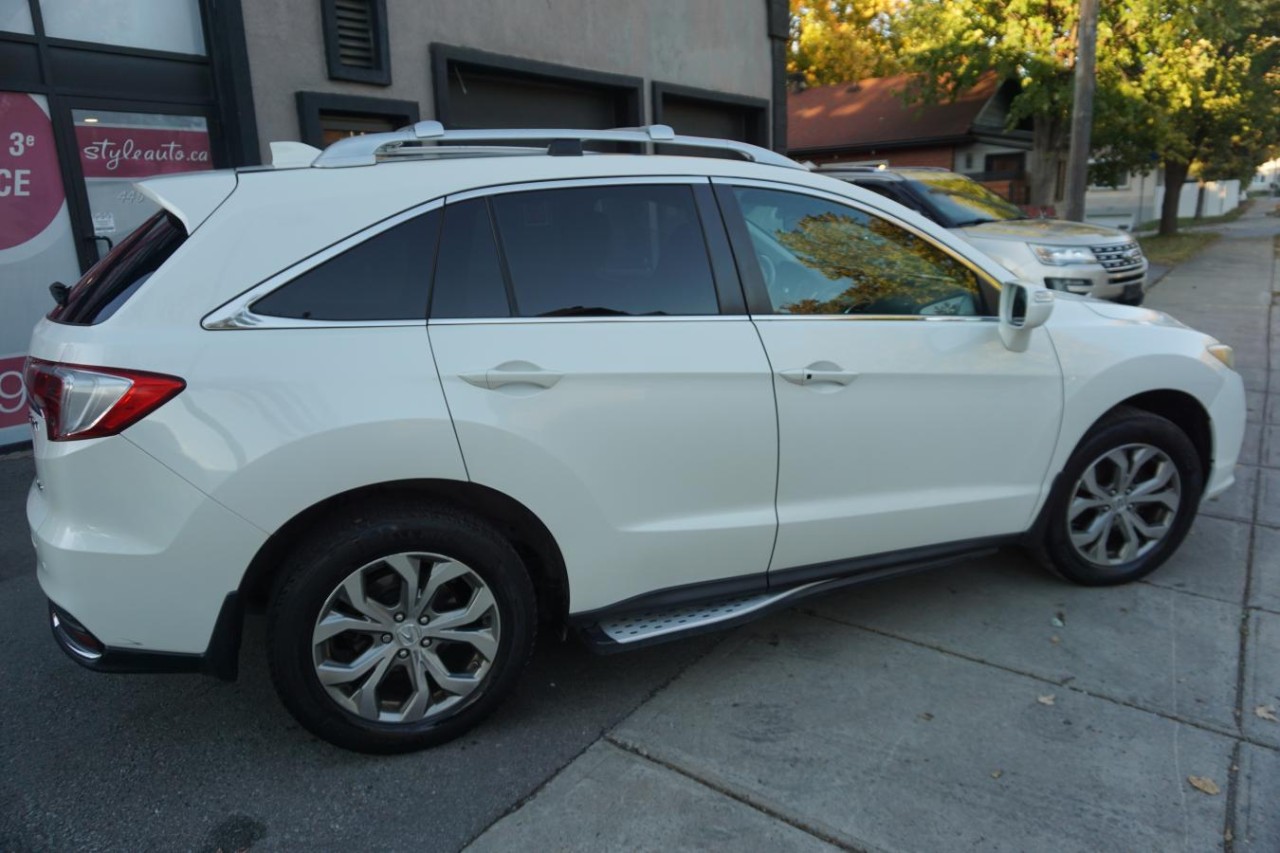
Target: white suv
[416,398]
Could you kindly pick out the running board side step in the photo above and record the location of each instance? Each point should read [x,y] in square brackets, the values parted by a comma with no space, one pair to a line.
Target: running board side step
[606,632]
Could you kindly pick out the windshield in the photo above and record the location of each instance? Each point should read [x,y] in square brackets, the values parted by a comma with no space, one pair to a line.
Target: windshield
[961,201]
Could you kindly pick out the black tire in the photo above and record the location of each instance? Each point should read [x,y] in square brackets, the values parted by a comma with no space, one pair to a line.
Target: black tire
[1123,426]
[346,543]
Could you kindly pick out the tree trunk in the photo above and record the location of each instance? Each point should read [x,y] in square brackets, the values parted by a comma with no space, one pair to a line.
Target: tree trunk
[1174,175]
[1200,200]
[1048,140]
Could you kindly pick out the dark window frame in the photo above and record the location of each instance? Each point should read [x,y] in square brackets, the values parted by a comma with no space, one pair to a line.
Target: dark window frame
[312,104]
[446,57]
[756,108]
[380,73]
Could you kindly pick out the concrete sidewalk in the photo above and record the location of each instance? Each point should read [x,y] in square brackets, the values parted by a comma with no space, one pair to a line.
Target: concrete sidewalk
[986,706]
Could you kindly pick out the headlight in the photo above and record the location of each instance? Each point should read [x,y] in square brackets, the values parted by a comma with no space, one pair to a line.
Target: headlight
[1223,353]
[1063,255]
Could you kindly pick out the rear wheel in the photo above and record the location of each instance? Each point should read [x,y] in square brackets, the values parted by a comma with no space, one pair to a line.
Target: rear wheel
[400,628]
[1124,501]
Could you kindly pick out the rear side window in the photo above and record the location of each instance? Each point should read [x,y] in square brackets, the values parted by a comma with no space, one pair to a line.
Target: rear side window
[608,250]
[111,281]
[382,278]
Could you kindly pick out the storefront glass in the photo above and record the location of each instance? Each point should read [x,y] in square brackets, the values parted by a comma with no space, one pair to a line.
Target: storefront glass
[171,25]
[15,17]
[36,242]
[118,148]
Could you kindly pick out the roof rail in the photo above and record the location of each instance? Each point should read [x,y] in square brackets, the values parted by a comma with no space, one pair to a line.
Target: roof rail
[365,150]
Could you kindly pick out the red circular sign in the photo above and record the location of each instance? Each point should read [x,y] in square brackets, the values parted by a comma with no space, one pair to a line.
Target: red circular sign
[30,184]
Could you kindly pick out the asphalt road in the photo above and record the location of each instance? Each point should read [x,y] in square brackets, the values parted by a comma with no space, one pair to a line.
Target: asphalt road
[176,762]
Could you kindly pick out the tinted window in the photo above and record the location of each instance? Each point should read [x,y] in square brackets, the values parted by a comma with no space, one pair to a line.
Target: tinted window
[111,281]
[468,279]
[382,278]
[818,257]
[630,250]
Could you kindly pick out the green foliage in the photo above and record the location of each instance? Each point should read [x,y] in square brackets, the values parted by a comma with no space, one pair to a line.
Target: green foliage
[841,42]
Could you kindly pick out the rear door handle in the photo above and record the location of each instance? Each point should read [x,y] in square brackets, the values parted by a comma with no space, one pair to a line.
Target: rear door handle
[818,373]
[512,373]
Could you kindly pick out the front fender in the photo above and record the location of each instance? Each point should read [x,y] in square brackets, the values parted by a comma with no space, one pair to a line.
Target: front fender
[1104,365]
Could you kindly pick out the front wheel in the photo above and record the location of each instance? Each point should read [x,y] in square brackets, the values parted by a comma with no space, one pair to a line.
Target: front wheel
[1124,502]
[400,628]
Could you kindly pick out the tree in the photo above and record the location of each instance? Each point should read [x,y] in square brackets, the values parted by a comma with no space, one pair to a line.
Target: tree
[841,42]
[1207,78]
[954,42]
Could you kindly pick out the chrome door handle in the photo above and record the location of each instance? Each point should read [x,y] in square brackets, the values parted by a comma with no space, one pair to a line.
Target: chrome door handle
[512,373]
[817,373]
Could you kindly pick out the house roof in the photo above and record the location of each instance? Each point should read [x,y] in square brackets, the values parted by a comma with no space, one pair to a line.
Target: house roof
[872,112]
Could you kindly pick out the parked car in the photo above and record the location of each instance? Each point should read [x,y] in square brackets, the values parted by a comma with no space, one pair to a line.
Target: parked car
[1076,257]
[417,400]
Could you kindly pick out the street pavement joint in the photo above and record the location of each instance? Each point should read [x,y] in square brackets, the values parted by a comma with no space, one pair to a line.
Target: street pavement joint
[1063,683]
[825,837]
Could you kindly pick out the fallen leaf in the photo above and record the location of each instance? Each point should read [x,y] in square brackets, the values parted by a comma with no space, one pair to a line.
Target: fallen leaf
[1045,700]
[926,716]
[996,774]
[1204,784]
[1055,639]
[1267,712]
[1059,619]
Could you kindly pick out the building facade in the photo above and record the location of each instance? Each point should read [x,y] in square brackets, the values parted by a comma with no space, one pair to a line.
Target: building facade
[95,95]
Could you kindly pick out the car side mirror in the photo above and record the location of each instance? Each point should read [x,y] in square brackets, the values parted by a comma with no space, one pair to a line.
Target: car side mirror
[1022,308]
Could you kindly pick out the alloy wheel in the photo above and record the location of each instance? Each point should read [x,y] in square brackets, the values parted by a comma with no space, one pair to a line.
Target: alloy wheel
[405,638]
[1124,504]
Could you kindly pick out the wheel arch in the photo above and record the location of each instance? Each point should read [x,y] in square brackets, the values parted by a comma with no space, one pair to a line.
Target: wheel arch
[1184,411]
[530,537]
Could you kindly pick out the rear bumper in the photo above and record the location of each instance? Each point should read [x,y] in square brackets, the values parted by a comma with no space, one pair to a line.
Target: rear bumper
[136,556]
[221,659]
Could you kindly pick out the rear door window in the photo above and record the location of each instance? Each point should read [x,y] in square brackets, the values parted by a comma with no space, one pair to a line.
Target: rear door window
[383,278]
[113,280]
[626,250]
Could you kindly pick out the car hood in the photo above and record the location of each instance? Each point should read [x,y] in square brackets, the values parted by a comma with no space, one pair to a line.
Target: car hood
[1124,313]
[1057,231]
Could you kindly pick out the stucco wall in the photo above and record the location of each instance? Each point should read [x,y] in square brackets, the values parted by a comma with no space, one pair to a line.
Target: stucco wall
[721,45]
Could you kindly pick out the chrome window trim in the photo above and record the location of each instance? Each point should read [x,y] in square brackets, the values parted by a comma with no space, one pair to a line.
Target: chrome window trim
[236,313]
[574,183]
[857,318]
[661,318]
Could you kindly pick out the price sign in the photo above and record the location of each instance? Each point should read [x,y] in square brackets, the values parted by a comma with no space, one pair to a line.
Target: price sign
[30,184]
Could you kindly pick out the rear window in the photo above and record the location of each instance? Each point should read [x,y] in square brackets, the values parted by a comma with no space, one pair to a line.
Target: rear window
[109,283]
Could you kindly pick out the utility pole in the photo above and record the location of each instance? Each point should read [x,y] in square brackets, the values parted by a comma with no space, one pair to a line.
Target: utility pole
[1082,109]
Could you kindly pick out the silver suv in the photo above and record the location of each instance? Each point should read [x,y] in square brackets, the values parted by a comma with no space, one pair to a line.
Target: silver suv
[1072,256]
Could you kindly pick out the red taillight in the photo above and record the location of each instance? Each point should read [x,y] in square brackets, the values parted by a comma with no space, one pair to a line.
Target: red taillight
[78,401]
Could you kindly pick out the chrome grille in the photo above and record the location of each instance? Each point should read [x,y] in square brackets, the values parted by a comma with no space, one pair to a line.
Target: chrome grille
[1119,260]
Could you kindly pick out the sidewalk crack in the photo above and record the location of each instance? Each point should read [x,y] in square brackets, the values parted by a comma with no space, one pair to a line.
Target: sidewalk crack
[819,834]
